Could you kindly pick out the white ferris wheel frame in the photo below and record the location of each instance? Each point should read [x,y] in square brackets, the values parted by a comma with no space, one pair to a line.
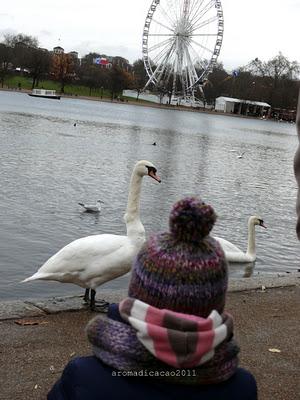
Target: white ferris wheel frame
[178,40]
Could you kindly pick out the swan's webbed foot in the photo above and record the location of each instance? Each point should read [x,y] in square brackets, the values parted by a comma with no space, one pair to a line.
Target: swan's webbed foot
[98,306]
[86,297]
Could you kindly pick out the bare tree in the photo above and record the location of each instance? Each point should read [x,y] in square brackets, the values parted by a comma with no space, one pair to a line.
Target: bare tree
[11,40]
[94,77]
[39,64]
[273,81]
[5,61]
[255,67]
[279,67]
[140,76]
[218,84]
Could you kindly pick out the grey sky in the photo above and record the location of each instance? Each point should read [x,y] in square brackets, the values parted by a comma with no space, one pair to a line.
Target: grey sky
[253,28]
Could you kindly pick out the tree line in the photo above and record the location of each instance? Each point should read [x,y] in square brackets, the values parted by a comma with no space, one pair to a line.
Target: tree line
[275,81]
[21,53]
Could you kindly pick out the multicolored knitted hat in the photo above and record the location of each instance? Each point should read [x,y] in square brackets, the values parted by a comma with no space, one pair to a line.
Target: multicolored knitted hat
[185,269]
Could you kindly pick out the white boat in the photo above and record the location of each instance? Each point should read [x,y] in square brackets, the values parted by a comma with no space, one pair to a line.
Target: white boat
[48,94]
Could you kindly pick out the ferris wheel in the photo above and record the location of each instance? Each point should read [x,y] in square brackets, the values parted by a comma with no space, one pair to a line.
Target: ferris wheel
[181,43]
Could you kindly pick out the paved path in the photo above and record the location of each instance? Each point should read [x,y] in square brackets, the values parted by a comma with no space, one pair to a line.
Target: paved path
[266,317]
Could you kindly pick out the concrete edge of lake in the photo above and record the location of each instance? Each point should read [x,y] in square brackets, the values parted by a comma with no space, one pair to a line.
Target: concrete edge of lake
[17,309]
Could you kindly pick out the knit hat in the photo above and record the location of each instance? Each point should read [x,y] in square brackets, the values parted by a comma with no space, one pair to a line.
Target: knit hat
[173,317]
[183,270]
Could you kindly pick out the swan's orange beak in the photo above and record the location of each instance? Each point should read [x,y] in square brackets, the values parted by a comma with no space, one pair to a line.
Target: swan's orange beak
[154,176]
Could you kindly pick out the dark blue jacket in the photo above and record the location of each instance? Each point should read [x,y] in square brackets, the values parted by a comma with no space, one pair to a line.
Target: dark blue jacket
[87,378]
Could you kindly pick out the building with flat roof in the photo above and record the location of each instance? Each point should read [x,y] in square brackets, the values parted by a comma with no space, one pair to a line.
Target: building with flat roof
[58,50]
[242,107]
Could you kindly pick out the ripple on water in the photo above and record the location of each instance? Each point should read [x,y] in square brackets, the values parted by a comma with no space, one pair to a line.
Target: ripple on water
[48,166]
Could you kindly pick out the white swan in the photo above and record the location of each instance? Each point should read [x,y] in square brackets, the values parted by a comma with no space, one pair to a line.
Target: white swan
[233,253]
[94,260]
[92,208]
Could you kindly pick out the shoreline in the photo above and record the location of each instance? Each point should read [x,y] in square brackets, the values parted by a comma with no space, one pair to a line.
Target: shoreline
[16,309]
[149,104]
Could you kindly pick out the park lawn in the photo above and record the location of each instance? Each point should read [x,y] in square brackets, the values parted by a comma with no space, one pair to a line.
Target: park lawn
[70,89]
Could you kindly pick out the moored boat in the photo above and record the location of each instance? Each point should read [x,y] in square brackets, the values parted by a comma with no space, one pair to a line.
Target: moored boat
[48,94]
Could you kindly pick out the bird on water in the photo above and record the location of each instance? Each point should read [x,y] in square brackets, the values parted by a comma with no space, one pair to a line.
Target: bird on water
[92,208]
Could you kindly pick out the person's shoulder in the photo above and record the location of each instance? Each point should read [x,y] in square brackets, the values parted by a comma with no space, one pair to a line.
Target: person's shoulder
[82,378]
[83,366]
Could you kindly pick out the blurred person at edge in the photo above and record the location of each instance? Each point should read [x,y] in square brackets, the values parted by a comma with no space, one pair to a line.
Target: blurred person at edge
[297,169]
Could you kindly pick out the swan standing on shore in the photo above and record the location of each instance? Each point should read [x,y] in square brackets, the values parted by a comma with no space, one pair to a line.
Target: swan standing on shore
[93,260]
[92,208]
[233,253]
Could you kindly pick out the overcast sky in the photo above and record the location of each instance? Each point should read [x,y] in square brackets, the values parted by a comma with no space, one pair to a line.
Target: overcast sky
[253,28]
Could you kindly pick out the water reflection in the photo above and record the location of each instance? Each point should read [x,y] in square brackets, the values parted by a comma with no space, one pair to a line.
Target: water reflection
[241,270]
[248,270]
[92,218]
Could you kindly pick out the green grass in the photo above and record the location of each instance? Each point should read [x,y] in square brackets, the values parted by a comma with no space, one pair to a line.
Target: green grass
[70,89]
[13,81]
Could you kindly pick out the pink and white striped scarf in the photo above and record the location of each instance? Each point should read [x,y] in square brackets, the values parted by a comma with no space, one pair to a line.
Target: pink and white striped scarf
[179,340]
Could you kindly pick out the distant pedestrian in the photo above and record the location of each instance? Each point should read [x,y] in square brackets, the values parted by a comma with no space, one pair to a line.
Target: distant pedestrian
[170,338]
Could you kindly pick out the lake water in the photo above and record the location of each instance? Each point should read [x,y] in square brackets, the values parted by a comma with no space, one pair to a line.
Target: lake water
[48,165]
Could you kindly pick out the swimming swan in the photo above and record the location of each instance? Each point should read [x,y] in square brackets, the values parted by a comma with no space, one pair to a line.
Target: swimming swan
[92,208]
[233,253]
[94,260]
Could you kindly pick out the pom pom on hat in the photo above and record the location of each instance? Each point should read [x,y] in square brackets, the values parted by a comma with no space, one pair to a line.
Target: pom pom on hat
[183,270]
[191,219]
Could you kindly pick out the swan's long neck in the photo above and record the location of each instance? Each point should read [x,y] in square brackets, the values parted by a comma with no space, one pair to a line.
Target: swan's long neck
[132,215]
[134,195]
[251,250]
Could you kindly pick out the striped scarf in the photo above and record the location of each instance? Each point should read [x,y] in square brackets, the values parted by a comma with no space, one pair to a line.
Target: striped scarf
[152,339]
